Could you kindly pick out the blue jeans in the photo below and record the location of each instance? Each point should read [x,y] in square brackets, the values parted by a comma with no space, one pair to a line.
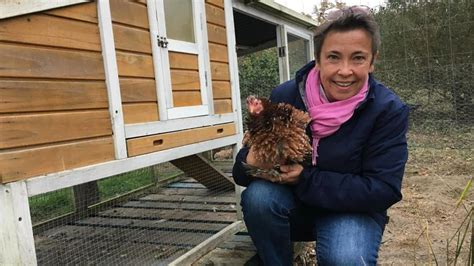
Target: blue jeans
[272,216]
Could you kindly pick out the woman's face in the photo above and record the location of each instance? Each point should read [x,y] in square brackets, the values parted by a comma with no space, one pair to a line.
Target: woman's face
[345,63]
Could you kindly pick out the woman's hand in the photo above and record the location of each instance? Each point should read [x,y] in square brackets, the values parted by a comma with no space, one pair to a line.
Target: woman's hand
[290,174]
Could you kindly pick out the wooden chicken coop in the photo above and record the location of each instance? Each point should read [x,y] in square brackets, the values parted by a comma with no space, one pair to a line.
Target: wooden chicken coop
[92,89]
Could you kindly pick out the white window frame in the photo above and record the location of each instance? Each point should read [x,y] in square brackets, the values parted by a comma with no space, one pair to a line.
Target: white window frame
[282,42]
[164,86]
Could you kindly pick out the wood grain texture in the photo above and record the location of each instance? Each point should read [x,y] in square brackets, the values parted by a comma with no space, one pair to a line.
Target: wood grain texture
[137,90]
[42,128]
[215,15]
[21,164]
[52,31]
[131,39]
[221,90]
[84,12]
[135,65]
[219,3]
[140,112]
[186,98]
[36,62]
[129,13]
[220,71]
[223,106]
[185,80]
[183,61]
[166,141]
[216,34]
[218,52]
[40,95]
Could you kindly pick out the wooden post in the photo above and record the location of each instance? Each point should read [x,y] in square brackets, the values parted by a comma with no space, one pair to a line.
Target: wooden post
[156,169]
[85,195]
[17,246]
[234,77]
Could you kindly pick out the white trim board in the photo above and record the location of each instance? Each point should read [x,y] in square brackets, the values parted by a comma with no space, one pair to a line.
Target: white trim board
[55,181]
[151,128]
[209,244]
[188,111]
[112,78]
[235,85]
[17,246]
[11,8]
[233,69]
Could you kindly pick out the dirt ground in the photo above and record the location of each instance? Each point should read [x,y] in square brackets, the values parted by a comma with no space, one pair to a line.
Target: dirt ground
[421,224]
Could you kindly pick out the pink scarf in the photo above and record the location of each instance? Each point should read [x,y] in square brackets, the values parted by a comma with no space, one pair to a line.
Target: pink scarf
[327,117]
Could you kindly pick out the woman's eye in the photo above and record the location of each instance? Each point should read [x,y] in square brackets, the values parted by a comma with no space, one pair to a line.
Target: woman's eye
[359,58]
[332,57]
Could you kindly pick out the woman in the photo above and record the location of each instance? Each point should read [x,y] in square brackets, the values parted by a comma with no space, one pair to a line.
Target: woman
[358,132]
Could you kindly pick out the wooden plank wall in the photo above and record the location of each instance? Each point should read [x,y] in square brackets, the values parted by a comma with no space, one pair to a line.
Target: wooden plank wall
[217,37]
[53,98]
[185,83]
[134,60]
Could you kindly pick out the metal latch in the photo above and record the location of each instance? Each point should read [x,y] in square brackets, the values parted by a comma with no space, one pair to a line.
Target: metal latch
[281,51]
[162,41]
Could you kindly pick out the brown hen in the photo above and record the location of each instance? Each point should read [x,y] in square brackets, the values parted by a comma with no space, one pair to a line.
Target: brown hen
[277,133]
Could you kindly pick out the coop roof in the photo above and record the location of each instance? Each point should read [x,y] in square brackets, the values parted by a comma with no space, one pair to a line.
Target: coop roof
[256,23]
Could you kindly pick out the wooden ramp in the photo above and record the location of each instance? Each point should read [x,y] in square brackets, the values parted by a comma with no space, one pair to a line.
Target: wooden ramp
[153,229]
[203,171]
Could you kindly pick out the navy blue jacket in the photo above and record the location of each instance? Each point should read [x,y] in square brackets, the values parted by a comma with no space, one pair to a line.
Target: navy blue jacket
[360,167]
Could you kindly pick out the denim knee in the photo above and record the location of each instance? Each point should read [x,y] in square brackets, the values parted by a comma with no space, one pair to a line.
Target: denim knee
[263,198]
[348,239]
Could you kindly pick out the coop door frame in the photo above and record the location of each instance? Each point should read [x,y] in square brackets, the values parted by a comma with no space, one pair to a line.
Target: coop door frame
[167,108]
[283,54]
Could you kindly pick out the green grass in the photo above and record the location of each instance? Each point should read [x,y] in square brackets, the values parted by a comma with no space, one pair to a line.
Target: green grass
[53,204]
[120,184]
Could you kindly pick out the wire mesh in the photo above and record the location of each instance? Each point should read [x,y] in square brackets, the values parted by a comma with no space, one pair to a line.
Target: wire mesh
[144,217]
[427,57]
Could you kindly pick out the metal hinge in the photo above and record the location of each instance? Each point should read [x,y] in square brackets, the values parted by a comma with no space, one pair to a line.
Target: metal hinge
[281,51]
[162,41]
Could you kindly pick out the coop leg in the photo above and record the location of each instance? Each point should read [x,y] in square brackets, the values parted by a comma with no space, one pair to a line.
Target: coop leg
[86,195]
[17,246]
[238,189]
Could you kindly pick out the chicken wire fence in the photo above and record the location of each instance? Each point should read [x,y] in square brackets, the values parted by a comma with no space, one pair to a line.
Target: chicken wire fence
[427,58]
[148,216]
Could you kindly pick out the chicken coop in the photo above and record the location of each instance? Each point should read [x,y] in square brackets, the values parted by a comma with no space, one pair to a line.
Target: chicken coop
[95,89]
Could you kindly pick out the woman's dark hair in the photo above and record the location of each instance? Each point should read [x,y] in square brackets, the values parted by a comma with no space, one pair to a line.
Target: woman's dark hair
[347,22]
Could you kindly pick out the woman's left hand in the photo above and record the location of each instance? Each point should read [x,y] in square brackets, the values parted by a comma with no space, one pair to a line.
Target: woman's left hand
[290,174]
